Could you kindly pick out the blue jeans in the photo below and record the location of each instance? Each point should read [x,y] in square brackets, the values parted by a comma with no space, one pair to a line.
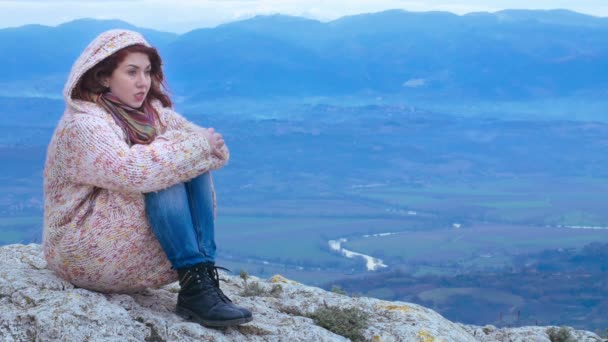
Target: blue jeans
[182,219]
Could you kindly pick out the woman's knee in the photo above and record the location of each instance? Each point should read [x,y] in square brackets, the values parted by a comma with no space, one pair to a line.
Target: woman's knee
[175,196]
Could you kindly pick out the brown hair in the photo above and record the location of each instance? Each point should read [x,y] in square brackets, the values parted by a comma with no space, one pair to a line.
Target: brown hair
[90,83]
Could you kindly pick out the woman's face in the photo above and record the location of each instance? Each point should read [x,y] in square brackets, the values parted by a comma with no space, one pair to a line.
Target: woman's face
[131,81]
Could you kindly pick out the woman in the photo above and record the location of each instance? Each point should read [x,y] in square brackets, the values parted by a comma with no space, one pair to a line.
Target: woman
[129,200]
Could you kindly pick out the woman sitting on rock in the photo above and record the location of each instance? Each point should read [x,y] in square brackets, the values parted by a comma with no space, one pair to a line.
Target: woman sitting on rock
[129,199]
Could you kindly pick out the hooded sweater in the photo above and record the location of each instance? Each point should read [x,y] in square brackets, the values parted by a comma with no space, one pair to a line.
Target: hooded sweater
[96,233]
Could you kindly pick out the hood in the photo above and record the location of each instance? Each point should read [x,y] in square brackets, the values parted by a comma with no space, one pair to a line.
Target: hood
[101,47]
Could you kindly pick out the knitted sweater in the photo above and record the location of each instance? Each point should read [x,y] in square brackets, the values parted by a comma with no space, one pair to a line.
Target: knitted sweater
[96,234]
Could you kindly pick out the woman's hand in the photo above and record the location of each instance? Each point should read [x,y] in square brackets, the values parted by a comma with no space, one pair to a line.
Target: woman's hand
[216,141]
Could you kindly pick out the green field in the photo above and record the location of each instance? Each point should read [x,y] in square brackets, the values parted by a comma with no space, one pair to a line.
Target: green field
[442,295]
[500,220]
[23,229]
[533,200]
[20,221]
[480,246]
[297,240]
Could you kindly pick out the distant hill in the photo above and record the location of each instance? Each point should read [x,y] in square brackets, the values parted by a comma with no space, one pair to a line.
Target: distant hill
[35,50]
[513,54]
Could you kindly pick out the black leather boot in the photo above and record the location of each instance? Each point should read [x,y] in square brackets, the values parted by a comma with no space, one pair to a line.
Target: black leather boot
[212,269]
[201,301]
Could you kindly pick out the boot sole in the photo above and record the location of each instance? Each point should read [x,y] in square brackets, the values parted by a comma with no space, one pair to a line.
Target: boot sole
[191,316]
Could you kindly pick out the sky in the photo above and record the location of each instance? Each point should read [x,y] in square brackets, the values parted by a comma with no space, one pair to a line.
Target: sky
[184,15]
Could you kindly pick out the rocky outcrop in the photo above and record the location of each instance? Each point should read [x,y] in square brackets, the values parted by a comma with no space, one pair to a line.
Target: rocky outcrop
[36,305]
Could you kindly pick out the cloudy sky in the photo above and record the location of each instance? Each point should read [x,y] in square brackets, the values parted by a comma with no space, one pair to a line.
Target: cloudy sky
[184,15]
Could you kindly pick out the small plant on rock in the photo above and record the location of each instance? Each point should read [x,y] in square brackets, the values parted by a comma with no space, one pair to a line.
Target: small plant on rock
[562,334]
[244,275]
[254,289]
[348,322]
[276,290]
[337,289]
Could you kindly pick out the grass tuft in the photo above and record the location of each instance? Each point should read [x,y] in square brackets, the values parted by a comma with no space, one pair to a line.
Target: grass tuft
[254,289]
[562,334]
[348,322]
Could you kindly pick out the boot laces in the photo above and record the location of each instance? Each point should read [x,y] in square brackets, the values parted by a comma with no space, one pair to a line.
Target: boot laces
[207,278]
[215,276]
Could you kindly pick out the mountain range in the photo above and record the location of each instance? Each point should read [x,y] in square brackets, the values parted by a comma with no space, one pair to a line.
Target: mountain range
[512,54]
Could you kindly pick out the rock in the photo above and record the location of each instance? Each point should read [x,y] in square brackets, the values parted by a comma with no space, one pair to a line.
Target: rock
[36,305]
[525,334]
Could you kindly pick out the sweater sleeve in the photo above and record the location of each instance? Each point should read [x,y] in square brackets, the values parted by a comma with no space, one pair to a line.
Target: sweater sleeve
[176,121]
[95,155]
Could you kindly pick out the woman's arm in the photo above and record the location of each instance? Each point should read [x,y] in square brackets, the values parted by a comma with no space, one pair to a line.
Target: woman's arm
[175,121]
[94,154]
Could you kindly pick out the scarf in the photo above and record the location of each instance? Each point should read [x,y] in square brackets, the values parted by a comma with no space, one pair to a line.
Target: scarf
[138,125]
